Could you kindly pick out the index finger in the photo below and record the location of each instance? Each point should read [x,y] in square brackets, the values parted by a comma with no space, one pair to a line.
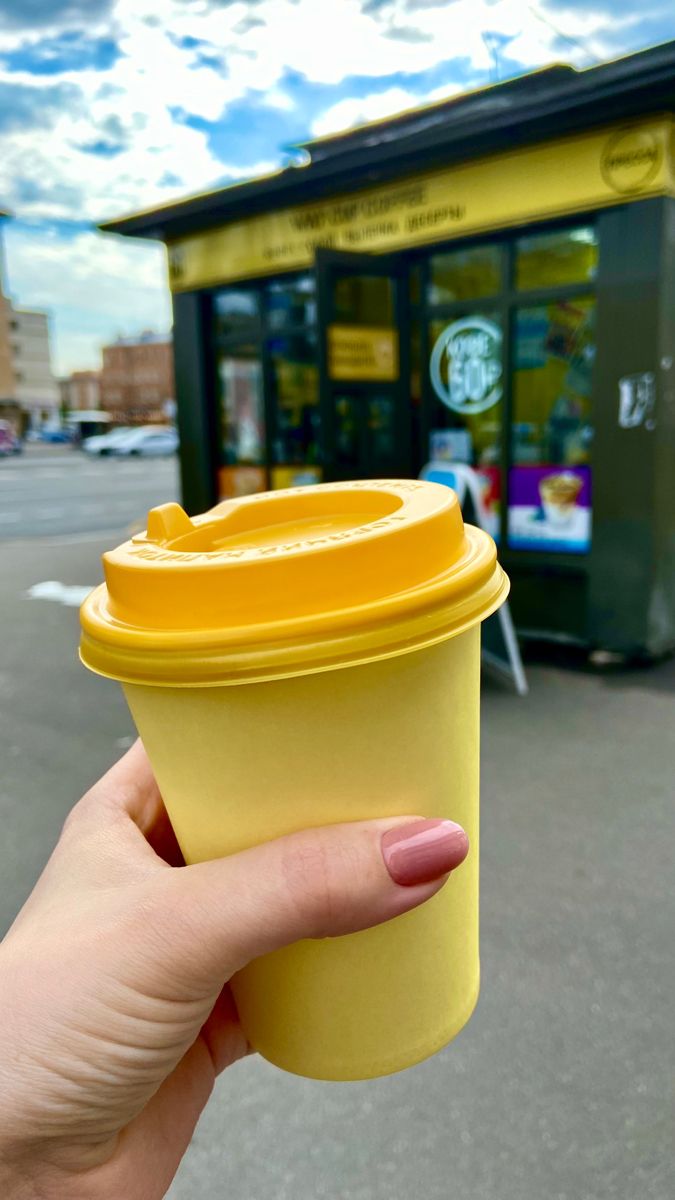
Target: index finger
[129,791]
[130,787]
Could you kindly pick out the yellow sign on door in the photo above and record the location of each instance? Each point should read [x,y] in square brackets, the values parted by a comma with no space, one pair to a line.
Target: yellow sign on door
[362,352]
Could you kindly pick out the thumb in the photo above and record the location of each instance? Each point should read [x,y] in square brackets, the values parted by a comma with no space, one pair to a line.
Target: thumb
[318,883]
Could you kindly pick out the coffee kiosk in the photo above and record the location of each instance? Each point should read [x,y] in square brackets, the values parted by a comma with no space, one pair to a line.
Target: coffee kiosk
[489,280]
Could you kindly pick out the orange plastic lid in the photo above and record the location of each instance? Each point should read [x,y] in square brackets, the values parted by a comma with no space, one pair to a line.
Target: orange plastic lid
[289,582]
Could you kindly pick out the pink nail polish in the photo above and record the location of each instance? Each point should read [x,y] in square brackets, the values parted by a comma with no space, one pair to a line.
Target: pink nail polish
[423,851]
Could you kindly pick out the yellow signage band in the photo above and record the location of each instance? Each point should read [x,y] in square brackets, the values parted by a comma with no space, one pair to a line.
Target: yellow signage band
[592,170]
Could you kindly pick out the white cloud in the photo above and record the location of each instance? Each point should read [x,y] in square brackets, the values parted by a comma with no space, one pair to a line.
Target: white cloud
[456,31]
[347,113]
[280,100]
[322,41]
[153,76]
[98,286]
[94,286]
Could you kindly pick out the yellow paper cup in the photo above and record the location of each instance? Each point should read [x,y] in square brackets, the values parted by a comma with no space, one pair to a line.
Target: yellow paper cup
[302,658]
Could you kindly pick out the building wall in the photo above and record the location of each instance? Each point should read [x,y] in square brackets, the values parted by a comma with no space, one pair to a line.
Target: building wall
[35,388]
[6,366]
[84,390]
[27,385]
[7,378]
[137,379]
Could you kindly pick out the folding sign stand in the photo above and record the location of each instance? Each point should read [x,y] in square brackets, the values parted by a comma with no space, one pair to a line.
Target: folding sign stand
[500,651]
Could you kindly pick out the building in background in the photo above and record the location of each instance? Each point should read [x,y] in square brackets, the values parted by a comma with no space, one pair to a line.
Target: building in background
[29,394]
[81,391]
[35,387]
[137,383]
[6,365]
[9,408]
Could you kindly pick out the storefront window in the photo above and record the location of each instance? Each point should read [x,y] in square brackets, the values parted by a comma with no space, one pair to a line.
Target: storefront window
[381,429]
[415,284]
[417,369]
[365,433]
[554,259]
[416,364]
[550,480]
[347,441]
[363,300]
[553,358]
[241,407]
[466,371]
[292,302]
[234,311]
[296,395]
[465,274]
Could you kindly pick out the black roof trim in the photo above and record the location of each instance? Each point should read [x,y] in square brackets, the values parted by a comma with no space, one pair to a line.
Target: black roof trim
[480,102]
[544,104]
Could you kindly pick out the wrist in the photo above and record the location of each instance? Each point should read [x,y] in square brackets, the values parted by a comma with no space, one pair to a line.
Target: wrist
[14,1184]
[24,1178]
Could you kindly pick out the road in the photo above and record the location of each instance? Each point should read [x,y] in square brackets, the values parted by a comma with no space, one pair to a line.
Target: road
[562,1087]
[58,490]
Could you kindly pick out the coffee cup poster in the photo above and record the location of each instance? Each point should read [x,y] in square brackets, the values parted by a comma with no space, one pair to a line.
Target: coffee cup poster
[550,509]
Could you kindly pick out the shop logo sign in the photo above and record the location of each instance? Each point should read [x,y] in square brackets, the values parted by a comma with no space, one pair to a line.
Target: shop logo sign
[630,160]
[466,365]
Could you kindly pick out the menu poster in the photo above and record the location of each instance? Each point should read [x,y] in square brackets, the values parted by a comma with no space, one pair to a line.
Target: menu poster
[550,509]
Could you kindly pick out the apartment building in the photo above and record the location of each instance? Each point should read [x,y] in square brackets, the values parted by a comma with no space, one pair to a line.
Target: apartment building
[27,382]
[137,382]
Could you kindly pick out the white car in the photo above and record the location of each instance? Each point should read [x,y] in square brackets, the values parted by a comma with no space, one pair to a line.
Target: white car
[104,443]
[148,441]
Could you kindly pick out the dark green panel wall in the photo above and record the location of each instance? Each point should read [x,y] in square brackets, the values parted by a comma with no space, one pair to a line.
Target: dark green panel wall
[662,603]
[628,341]
[195,371]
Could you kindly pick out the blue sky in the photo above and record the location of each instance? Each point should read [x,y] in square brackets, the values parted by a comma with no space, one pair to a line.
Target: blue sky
[107,106]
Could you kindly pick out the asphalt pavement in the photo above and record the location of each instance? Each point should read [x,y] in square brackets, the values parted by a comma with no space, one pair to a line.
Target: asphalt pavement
[562,1086]
[51,490]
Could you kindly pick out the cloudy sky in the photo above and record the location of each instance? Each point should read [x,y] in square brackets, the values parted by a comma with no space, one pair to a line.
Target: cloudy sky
[107,106]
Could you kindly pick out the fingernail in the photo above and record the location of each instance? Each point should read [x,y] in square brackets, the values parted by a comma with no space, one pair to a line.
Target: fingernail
[423,850]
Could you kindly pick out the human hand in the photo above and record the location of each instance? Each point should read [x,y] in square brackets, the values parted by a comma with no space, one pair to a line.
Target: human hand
[116,1015]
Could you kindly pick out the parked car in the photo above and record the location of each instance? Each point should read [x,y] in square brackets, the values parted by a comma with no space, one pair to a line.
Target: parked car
[149,441]
[10,442]
[104,443]
[56,437]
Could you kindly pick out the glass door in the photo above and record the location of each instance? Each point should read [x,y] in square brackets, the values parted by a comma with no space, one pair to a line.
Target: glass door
[363,365]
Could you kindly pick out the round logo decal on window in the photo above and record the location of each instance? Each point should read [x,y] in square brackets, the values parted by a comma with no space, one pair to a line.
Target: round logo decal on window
[466,365]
